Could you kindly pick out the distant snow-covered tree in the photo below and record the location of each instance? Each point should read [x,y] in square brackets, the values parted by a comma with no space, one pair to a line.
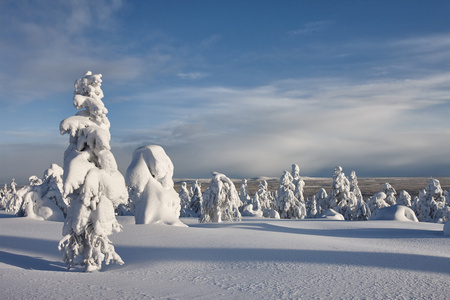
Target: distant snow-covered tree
[361,211]
[287,205]
[298,182]
[404,198]
[220,200]
[196,199]
[322,201]
[340,198]
[185,200]
[433,203]
[311,207]
[390,194]
[377,201]
[92,182]
[149,178]
[243,193]
[265,197]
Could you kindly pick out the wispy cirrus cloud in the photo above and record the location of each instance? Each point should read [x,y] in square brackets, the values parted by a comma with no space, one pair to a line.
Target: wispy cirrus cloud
[192,75]
[312,27]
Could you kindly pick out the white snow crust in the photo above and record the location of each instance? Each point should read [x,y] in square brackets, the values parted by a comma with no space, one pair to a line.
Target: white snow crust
[256,258]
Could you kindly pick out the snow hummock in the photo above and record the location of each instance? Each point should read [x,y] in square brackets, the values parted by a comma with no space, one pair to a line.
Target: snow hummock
[395,213]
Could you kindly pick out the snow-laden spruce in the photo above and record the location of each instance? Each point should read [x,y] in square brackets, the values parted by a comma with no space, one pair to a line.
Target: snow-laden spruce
[432,203]
[361,212]
[298,182]
[243,193]
[341,198]
[196,199]
[287,205]
[185,200]
[150,182]
[220,201]
[92,183]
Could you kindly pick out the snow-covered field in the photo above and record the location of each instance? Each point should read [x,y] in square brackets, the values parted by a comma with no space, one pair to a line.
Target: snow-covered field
[253,259]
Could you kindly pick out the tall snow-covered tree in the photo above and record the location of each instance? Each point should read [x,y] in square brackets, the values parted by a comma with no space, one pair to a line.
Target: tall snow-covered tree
[92,182]
[220,201]
[287,205]
[151,187]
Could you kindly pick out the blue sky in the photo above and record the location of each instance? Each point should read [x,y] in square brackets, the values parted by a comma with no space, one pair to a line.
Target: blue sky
[245,88]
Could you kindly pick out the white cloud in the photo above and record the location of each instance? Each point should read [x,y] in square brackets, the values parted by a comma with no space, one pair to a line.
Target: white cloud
[312,27]
[192,75]
[318,123]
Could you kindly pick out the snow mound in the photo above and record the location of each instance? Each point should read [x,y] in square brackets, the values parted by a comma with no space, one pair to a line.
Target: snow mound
[331,214]
[395,213]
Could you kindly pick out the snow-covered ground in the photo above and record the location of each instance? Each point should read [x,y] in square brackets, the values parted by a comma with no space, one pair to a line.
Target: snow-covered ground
[253,259]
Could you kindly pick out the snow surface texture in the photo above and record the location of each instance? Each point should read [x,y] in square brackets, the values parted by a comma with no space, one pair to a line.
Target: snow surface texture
[92,183]
[149,178]
[253,259]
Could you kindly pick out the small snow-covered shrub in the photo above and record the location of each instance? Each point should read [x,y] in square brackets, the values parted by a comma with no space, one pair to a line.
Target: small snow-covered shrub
[220,201]
[149,178]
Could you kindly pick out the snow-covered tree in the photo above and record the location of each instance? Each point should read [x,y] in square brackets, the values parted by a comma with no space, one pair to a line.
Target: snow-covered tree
[196,199]
[298,182]
[149,178]
[185,200]
[390,194]
[43,199]
[92,182]
[287,205]
[404,198]
[265,197]
[340,198]
[377,201]
[361,212]
[433,203]
[311,207]
[322,201]
[220,201]
[243,193]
